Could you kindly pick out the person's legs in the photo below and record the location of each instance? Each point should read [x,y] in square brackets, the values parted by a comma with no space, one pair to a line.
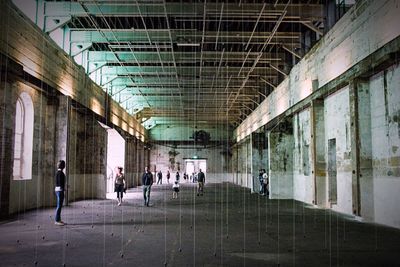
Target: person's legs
[119,196]
[60,200]
[266,191]
[145,194]
[148,194]
[201,187]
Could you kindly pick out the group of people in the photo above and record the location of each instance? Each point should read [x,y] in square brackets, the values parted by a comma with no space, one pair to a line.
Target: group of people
[177,177]
[200,179]
[120,186]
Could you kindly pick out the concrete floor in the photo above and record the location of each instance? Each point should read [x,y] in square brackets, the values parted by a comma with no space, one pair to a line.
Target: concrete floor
[228,226]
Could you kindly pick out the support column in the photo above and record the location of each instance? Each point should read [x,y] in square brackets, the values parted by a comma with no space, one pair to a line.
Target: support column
[6,145]
[61,145]
[9,70]
[355,147]
[318,152]
[366,181]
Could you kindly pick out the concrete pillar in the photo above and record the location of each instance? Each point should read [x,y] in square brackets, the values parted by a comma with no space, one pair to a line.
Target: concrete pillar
[330,14]
[62,129]
[6,146]
[318,152]
[355,147]
[366,182]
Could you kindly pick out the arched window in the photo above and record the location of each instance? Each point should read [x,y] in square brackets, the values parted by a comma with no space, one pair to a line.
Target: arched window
[23,138]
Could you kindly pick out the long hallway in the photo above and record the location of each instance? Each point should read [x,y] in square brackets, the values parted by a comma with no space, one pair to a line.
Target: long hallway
[228,226]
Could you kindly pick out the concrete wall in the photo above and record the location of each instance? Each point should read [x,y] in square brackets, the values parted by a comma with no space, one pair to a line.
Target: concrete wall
[27,194]
[337,126]
[281,145]
[385,133]
[62,130]
[345,89]
[242,164]
[303,184]
[87,156]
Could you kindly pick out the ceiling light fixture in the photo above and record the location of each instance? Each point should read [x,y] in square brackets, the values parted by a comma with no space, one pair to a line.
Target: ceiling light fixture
[188,44]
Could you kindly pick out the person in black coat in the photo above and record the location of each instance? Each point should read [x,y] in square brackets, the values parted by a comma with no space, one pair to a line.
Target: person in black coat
[59,190]
[147,182]
[159,176]
[201,179]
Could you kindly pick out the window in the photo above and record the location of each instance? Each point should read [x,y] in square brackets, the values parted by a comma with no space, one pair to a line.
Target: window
[23,138]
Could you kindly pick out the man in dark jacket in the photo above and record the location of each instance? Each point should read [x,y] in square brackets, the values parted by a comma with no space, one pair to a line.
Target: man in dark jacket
[147,182]
[201,178]
[159,176]
[59,190]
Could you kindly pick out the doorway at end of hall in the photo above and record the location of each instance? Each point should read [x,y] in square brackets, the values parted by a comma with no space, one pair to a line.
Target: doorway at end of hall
[195,165]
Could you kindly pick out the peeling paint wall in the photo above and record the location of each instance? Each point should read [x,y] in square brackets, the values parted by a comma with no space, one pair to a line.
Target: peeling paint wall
[86,167]
[27,194]
[303,184]
[337,126]
[385,134]
[61,131]
[281,145]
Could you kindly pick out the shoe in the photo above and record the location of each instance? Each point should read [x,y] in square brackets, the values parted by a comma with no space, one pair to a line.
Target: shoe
[119,203]
[60,223]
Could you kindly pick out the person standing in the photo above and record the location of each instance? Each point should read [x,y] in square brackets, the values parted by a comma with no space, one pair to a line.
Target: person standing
[147,182]
[261,179]
[168,176]
[177,177]
[119,185]
[159,176]
[265,183]
[175,188]
[201,178]
[59,190]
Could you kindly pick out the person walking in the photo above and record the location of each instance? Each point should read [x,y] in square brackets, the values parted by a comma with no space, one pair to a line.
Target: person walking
[159,176]
[168,176]
[120,185]
[201,178]
[147,182]
[59,190]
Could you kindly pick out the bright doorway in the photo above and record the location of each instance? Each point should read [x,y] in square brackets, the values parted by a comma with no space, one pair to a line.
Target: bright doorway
[195,165]
[115,156]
